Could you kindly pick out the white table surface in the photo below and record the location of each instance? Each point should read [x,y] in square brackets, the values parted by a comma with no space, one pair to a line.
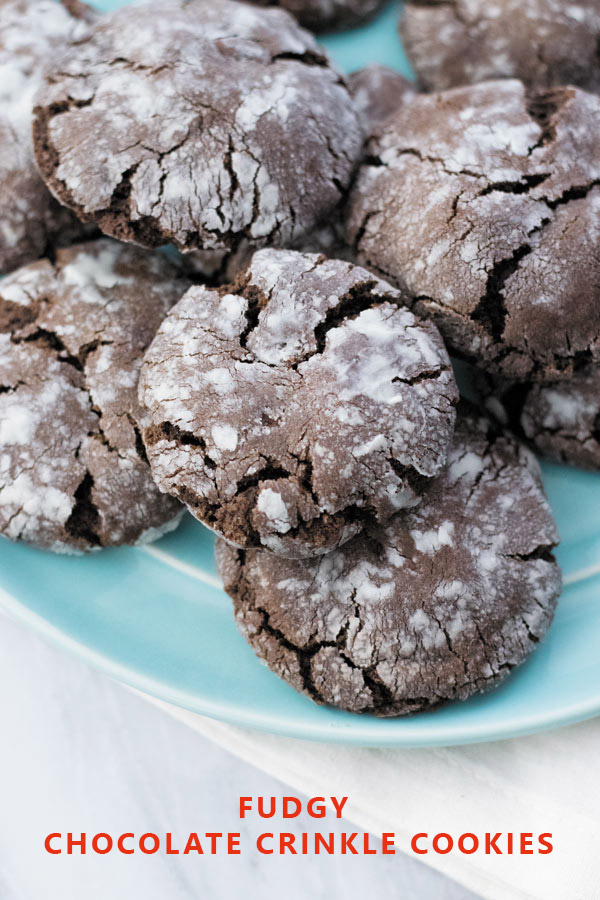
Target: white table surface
[81,753]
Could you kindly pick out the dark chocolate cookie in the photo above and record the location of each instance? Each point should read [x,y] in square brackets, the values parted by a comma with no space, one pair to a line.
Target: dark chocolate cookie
[291,408]
[543,42]
[378,91]
[320,15]
[440,603]
[199,123]
[73,472]
[484,204]
[560,420]
[31,220]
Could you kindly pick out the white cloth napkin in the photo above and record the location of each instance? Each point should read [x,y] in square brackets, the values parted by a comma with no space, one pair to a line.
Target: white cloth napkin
[544,783]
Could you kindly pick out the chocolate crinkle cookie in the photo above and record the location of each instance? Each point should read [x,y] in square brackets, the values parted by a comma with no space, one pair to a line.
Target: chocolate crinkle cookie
[543,42]
[378,91]
[73,471]
[300,403]
[440,603]
[32,32]
[483,203]
[560,420]
[320,15]
[198,123]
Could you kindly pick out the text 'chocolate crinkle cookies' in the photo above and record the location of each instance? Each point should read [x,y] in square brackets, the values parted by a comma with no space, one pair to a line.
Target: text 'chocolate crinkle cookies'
[440,603]
[293,407]
[542,42]
[560,420]
[319,15]
[73,474]
[198,123]
[484,204]
[31,33]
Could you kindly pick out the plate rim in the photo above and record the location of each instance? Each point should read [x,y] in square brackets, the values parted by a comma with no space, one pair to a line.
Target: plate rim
[360,730]
[365,732]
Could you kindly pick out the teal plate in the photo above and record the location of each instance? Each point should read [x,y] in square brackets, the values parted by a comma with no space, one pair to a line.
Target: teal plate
[157,618]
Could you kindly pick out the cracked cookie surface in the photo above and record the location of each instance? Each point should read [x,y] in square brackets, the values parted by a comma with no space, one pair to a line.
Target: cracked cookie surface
[560,420]
[377,91]
[484,204]
[543,42]
[73,474]
[319,15]
[201,124]
[31,220]
[440,603]
[295,405]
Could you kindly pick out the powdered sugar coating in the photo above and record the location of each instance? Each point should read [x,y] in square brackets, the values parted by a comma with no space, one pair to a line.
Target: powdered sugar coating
[542,42]
[441,602]
[290,408]
[31,33]
[319,15]
[560,420]
[377,91]
[484,203]
[197,123]
[72,469]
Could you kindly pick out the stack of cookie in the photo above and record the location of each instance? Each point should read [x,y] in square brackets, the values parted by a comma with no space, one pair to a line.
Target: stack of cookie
[518,177]
[285,376]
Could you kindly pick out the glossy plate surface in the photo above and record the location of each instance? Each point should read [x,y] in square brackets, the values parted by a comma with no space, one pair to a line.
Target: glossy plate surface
[156,618]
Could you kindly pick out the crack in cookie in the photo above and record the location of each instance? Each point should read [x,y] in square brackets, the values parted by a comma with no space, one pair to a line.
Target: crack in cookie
[72,333]
[32,223]
[559,420]
[437,604]
[297,404]
[218,98]
[483,203]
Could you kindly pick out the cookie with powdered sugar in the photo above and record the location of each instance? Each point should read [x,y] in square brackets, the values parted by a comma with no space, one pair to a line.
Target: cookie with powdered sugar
[543,42]
[73,471]
[295,406]
[201,124]
[560,420]
[378,91]
[483,203]
[320,15]
[440,603]
[32,32]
